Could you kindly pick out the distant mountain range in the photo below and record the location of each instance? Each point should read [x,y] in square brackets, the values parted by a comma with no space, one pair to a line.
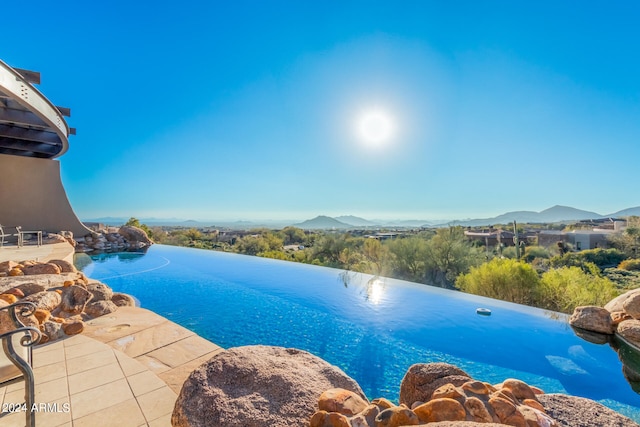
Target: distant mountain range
[553,214]
[556,213]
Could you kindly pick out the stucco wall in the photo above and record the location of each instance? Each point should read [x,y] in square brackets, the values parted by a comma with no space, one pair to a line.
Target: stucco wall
[32,195]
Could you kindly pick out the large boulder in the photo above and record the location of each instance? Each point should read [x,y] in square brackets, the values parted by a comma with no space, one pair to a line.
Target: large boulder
[631,305]
[617,303]
[257,386]
[135,235]
[100,308]
[570,411]
[75,299]
[47,268]
[30,288]
[100,291]
[422,379]
[65,266]
[45,300]
[7,266]
[123,300]
[630,330]
[592,318]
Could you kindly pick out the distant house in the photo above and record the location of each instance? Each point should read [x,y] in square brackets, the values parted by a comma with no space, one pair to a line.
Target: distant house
[602,224]
[493,237]
[589,239]
[383,236]
[580,239]
[548,238]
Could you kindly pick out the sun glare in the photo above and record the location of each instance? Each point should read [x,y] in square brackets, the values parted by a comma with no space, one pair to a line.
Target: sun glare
[375,128]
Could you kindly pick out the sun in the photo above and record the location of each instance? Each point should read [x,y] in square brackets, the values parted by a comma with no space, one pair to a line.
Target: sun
[375,127]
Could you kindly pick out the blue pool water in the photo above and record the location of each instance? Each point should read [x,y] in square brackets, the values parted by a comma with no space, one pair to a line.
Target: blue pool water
[373,329]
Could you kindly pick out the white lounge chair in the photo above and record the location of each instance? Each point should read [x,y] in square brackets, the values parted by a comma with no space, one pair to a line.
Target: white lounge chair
[20,234]
[2,236]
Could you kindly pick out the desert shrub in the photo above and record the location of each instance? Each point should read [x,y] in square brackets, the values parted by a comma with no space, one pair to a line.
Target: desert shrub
[533,252]
[623,279]
[275,255]
[509,252]
[630,264]
[565,288]
[504,279]
[602,258]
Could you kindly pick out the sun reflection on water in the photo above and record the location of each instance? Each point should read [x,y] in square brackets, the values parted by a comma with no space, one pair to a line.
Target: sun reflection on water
[375,291]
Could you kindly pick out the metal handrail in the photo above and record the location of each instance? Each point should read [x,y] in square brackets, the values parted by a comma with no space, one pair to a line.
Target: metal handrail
[31,336]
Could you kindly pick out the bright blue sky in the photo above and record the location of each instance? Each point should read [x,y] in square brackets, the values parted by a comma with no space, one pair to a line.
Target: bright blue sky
[247,110]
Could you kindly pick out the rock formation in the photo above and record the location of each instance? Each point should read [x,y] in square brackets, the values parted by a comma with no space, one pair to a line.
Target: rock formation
[126,238]
[620,315]
[257,386]
[64,298]
[432,393]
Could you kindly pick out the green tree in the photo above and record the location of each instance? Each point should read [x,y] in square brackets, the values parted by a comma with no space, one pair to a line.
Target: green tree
[274,242]
[293,235]
[133,222]
[376,255]
[449,254]
[504,279]
[408,257]
[563,289]
[629,240]
[329,248]
[251,245]
[193,234]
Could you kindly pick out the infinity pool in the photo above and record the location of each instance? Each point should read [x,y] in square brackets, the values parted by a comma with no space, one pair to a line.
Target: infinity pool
[372,328]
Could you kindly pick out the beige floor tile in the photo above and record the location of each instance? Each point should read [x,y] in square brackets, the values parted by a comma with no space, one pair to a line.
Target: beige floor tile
[144,382]
[52,391]
[54,413]
[150,339]
[125,321]
[161,422]
[94,377]
[176,377]
[90,361]
[49,357]
[15,419]
[15,397]
[50,346]
[157,403]
[44,393]
[84,349]
[129,366]
[48,373]
[183,351]
[125,414]
[15,386]
[49,414]
[153,364]
[98,398]
[76,340]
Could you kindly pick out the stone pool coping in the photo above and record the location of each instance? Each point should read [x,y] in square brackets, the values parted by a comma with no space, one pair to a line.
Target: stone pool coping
[126,369]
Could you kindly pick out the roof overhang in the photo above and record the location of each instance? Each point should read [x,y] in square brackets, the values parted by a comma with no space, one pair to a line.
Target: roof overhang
[30,125]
